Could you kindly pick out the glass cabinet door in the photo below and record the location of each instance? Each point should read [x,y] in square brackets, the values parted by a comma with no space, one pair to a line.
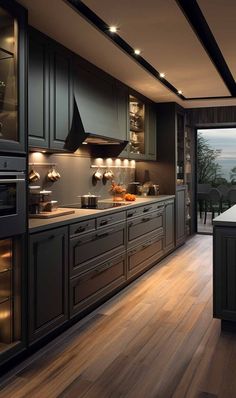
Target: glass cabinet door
[8,77]
[137,126]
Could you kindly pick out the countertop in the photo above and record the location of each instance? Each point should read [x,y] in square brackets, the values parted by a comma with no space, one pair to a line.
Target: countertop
[226,219]
[39,225]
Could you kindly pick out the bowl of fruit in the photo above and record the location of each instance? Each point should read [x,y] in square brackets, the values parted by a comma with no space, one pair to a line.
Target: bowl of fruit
[130,197]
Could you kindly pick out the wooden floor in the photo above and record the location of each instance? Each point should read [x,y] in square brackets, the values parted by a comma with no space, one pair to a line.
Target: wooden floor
[156,339]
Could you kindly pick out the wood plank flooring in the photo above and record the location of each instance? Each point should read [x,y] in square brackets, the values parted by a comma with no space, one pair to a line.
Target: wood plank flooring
[156,338]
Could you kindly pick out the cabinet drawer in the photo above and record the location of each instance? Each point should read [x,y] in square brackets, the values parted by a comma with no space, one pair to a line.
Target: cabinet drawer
[82,227]
[110,219]
[145,255]
[93,285]
[86,251]
[140,226]
[137,211]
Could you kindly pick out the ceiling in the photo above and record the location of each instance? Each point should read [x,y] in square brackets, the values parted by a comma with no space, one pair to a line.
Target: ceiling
[167,39]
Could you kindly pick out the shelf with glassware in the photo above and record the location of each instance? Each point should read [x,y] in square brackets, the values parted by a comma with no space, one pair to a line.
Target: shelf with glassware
[188,179]
[141,128]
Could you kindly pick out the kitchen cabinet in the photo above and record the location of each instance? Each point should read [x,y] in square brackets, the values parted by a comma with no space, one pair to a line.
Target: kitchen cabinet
[13,71]
[94,247]
[180,215]
[145,254]
[142,128]
[97,282]
[139,228]
[224,273]
[38,91]
[169,225]
[50,110]
[48,282]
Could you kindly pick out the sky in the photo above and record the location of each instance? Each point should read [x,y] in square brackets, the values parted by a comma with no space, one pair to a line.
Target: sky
[224,139]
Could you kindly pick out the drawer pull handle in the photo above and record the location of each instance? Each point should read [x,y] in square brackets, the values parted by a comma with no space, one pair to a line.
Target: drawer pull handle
[81,229]
[147,244]
[131,214]
[102,235]
[145,219]
[134,251]
[105,222]
[145,210]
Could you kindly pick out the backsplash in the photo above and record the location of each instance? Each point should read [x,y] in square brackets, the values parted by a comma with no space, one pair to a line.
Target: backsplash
[76,175]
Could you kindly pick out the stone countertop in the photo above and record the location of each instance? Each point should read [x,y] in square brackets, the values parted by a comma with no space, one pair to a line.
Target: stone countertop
[226,219]
[39,225]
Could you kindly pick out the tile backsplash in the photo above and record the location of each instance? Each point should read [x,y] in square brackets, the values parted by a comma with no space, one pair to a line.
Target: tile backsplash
[77,175]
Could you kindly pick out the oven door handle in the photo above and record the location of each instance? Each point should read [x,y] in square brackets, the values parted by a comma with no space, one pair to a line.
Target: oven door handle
[2,180]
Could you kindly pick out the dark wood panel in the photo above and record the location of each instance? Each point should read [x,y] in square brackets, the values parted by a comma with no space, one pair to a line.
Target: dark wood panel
[180,209]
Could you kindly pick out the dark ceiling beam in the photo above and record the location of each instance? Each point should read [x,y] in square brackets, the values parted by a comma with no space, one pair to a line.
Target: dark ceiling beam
[102,26]
[195,17]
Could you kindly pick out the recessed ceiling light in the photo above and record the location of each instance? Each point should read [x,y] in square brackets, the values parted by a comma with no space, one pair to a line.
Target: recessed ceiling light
[180,92]
[162,74]
[137,51]
[113,29]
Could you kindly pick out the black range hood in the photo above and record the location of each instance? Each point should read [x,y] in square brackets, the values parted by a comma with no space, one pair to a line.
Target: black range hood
[90,143]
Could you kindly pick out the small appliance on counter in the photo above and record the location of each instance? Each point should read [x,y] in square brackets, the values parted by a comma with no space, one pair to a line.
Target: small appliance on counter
[41,204]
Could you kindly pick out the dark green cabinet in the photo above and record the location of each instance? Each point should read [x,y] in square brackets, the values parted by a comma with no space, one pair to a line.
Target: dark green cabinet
[48,282]
[224,273]
[50,82]
[169,225]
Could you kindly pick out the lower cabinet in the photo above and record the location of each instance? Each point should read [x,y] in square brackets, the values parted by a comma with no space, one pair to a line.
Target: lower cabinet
[48,282]
[93,285]
[224,273]
[145,255]
[169,225]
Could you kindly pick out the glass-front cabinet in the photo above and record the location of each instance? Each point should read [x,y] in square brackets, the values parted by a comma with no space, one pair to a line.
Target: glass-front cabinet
[12,78]
[10,293]
[137,126]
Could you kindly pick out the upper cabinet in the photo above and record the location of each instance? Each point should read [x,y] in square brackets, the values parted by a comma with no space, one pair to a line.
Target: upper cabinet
[141,129]
[13,22]
[69,96]
[50,91]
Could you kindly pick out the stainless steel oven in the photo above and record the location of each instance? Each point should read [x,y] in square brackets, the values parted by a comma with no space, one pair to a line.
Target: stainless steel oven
[12,196]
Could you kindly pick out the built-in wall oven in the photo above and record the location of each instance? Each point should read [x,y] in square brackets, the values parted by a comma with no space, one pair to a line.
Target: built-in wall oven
[12,254]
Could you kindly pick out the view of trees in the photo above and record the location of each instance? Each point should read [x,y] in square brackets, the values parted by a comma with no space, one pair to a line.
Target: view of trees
[209,171]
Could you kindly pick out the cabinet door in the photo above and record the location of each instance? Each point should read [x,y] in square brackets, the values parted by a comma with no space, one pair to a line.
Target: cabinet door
[169,226]
[48,282]
[151,150]
[180,215]
[123,120]
[96,99]
[61,96]
[224,273]
[145,255]
[38,92]
[91,286]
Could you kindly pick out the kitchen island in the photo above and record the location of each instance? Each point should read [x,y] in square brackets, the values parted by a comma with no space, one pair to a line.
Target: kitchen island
[224,268]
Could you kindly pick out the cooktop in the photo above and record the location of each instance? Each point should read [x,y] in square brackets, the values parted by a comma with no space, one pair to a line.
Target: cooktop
[100,206]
